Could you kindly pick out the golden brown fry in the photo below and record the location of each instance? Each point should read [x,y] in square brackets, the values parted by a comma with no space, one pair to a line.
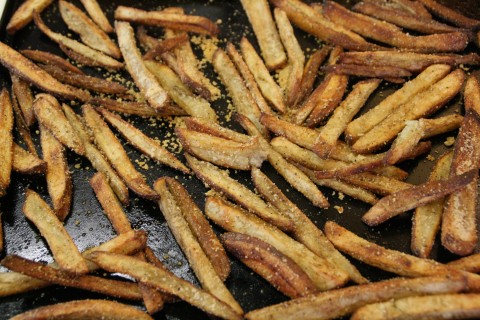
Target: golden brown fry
[97,15]
[90,34]
[220,181]
[144,79]
[282,272]
[98,57]
[427,218]
[49,58]
[165,281]
[469,263]
[215,129]
[260,17]
[232,219]
[115,153]
[165,46]
[59,241]
[6,140]
[24,14]
[25,69]
[113,288]
[27,163]
[197,258]
[59,181]
[24,96]
[84,309]
[336,303]
[20,123]
[170,20]
[414,8]
[200,228]
[269,88]
[384,72]
[342,115]
[450,15]
[444,306]
[141,109]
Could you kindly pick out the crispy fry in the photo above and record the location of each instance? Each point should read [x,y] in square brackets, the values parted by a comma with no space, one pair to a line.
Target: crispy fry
[450,15]
[97,15]
[49,58]
[411,7]
[384,72]
[469,263]
[20,123]
[215,129]
[260,17]
[167,19]
[142,142]
[165,281]
[60,243]
[427,218]
[6,140]
[340,302]
[24,96]
[153,299]
[113,150]
[84,309]
[282,272]
[141,109]
[90,34]
[24,14]
[446,306]
[232,219]
[27,163]
[98,57]
[197,258]
[220,181]
[144,79]
[165,46]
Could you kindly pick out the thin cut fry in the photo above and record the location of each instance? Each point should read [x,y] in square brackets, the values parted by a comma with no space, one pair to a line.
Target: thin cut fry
[27,163]
[450,15]
[6,140]
[24,96]
[141,109]
[24,14]
[97,15]
[384,72]
[469,263]
[49,58]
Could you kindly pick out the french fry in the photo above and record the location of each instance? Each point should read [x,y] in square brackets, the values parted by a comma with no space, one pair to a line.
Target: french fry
[200,228]
[20,123]
[279,270]
[90,34]
[215,129]
[469,263]
[342,115]
[99,58]
[59,241]
[170,20]
[142,142]
[376,183]
[420,105]
[24,96]
[113,288]
[268,37]
[220,151]
[166,45]
[84,309]
[26,163]
[49,114]
[384,72]
[113,150]
[144,79]
[340,302]
[141,109]
[426,219]
[220,181]
[446,306]
[232,219]
[97,15]
[24,14]
[269,88]
[193,105]
[49,58]
[6,140]
[197,258]
[450,15]
[165,281]
[25,69]
[407,6]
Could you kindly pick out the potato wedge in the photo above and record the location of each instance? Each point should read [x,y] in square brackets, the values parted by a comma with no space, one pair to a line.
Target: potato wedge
[26,163]
[6,140]
[96,13]
[24,14]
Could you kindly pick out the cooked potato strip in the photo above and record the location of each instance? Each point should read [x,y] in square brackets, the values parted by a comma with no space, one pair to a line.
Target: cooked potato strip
[97,15]
[389,73]
[24,14]
[26,163]
[6,140]
[166,45]
[469,263]
[321,272]
[414,8]
[141,109]
[49,58]
[24,96]
[215,129]
[450,15]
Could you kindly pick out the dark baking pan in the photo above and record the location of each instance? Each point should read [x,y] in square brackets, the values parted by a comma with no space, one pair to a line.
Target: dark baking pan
[88,225]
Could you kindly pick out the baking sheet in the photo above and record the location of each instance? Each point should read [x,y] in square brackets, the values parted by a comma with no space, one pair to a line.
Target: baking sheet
[89,227]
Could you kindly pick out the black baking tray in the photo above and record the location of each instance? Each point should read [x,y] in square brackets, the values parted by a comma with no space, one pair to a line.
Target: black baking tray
[89,227]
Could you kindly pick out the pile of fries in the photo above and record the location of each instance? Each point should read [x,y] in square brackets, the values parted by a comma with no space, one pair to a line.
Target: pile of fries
[283,112]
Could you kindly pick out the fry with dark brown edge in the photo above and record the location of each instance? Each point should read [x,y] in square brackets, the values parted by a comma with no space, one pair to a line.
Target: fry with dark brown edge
[59,181]
[166,45]
[84,309]
[376,183]
[24,14]
[450,15]
[90,33]
[358,70]
[215,129]
[279,270]
[142,142]
[141,109]
[26,163]
[113,150]
[97,15]
[197,258]
[49,58]
[321,272]
[25,69]
[113,288]
[336,303]
[170,20]
[200,228]
[305,231]
[427,218]
[220,181]
[59,241]
[24,96]
[90,54]
[268,38]
[444,306]
[391,260]
[165,281]
[6,140]
[144,79]
[22,126]
[469,263]
[414,8]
